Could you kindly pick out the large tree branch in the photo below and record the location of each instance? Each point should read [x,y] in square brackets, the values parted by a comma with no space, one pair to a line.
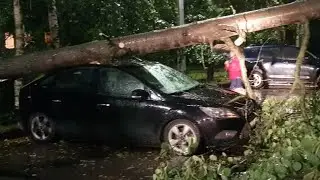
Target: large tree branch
[191,34]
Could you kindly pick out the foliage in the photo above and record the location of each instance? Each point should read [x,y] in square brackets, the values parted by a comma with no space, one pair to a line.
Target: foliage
[285,145]
[203,54]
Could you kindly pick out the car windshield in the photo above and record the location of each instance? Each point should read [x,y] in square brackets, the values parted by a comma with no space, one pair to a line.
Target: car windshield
[168,80]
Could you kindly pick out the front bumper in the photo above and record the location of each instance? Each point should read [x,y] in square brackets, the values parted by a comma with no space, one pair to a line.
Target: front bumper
[226,133]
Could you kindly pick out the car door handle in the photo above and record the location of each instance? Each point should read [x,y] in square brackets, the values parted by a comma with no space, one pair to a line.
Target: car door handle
[56,100]
[104,105]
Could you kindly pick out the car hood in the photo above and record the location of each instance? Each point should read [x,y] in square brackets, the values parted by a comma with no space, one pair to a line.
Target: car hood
[212,96]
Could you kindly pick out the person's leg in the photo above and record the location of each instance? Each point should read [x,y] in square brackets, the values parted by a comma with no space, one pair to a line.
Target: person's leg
[237,83]
[239,86]
[233,84]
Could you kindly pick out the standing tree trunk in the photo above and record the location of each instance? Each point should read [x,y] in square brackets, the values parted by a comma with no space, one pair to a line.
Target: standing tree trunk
[19,41]
[53,23]
[304,46]
[19,34]
[210,72]
[181,59]
[299,34]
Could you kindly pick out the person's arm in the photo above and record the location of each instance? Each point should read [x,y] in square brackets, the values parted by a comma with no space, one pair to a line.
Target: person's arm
[226,65]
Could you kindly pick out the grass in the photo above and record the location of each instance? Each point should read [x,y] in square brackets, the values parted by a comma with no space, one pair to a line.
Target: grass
[220,76]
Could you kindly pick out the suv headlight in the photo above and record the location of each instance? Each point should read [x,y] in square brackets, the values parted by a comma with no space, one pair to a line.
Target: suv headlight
[219,112]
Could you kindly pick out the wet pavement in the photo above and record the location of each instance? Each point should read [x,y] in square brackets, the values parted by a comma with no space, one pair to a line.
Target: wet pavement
[22,159]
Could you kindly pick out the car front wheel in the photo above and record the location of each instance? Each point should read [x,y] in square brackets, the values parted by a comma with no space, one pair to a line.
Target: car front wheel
[41,128]
[183,137]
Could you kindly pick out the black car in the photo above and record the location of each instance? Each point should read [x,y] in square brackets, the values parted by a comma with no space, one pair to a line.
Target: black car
[137,102]
[275,65]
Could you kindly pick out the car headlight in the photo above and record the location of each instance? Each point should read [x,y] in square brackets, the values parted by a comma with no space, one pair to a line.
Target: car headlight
[219,112]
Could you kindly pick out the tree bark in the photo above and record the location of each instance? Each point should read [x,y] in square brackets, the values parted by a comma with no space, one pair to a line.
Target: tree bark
[304,46]
[210,72]
[53,23]
[19,34]
[190,34]
[19,44]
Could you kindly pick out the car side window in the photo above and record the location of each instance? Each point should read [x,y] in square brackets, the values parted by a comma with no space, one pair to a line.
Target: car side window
[47,81]
[80,79]
[270,53]
[117,83]
[251,52]
[290,53]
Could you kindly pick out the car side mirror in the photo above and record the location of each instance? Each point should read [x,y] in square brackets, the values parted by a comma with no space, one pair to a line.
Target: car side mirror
[140,94]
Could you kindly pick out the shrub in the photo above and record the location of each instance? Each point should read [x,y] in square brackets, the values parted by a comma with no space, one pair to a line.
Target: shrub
[284,145]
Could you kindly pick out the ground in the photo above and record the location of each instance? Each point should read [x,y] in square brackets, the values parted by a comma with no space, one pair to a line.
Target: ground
[22,159]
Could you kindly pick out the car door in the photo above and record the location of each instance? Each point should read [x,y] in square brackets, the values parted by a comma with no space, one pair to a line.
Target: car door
[289,57]
[122,118]
[74,92]
[310,68]
[271,61]
[46,100]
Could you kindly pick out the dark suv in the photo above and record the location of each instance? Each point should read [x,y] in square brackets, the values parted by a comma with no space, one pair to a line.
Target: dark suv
[275,65]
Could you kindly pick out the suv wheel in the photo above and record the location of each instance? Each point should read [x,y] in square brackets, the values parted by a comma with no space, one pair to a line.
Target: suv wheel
[41,128]
[256,80]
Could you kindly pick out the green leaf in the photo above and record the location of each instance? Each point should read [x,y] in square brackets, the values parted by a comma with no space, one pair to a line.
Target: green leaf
[154,177]
[196,158]
[213,157]
[313,159]
[247,152]
[309,176]
[230,159]
[307,143]
[285,162]
[296,166]
[281,171]
[297,157]
[158,171]
[226,172]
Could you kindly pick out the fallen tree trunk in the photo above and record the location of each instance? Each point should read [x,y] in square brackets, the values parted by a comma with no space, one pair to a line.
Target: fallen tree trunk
[191,34]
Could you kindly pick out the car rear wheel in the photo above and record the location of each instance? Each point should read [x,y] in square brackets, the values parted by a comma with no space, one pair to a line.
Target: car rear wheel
[183,137]
[257,80]
[41,128]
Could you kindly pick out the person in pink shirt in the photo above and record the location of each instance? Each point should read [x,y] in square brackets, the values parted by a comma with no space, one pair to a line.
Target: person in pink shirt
[234,71]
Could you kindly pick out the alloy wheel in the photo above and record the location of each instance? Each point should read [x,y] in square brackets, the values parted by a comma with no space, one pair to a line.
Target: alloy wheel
[181,138]
[257,80]
[41,127]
